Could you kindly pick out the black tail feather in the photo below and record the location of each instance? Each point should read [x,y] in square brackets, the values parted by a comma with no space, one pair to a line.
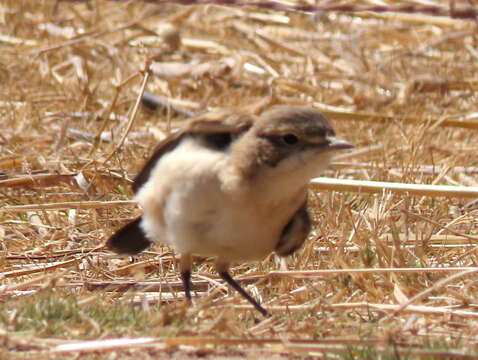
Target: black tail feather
[129,240]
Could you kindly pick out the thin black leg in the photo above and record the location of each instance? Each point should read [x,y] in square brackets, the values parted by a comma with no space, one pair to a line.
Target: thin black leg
[186,277]
[185,269]
[227,278]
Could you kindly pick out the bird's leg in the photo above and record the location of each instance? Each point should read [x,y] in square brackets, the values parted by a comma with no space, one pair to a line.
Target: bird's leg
[185,268]
[222,269]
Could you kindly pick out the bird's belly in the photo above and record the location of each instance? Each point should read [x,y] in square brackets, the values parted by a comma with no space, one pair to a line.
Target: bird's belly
[209,223]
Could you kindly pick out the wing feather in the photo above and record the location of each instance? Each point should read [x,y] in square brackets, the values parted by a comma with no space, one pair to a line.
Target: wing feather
[295,232]
[220,121]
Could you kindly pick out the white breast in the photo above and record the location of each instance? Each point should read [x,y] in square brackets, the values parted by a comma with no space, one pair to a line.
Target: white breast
[187,206]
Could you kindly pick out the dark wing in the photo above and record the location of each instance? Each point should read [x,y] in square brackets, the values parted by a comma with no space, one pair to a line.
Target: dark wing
[294,233]
[162,148]
[216,122]
[129,240]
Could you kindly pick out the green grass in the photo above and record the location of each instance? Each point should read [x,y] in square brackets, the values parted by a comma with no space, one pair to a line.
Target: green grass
[58,314]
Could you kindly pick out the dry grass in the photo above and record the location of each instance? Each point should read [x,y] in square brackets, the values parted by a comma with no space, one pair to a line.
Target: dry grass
[402,89]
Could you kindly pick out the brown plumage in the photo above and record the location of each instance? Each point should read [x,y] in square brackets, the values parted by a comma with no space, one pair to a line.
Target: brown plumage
[232,186]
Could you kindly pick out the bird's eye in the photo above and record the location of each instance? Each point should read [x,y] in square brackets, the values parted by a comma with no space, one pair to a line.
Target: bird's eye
[290,139]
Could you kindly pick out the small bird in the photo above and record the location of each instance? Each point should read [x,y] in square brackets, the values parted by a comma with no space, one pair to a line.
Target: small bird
[232,186]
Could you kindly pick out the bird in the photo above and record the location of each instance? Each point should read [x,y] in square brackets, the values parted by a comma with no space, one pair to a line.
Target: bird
[232,186]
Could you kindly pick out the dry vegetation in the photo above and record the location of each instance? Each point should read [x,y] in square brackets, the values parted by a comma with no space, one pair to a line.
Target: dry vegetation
[389,275]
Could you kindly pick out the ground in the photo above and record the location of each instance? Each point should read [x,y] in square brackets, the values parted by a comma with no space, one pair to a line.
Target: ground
[383,275]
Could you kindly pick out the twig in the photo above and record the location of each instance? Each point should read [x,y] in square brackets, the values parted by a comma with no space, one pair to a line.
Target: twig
[201,285]
[364,186]
[91,35]
[14,273]
[338,113]
[204,284]
[419,309]
[313,273]
[67,205]
[107,118]
[185,108]
[435,287]
[464,12]
[470,238]
[37,180]
[134,112]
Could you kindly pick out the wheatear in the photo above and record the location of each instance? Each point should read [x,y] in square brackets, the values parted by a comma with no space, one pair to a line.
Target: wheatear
[232,186]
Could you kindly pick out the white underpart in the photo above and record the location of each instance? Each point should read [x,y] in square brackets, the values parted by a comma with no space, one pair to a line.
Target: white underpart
[194,202]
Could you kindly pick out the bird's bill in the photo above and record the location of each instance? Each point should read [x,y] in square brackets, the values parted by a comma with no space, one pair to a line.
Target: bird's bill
[338,144]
